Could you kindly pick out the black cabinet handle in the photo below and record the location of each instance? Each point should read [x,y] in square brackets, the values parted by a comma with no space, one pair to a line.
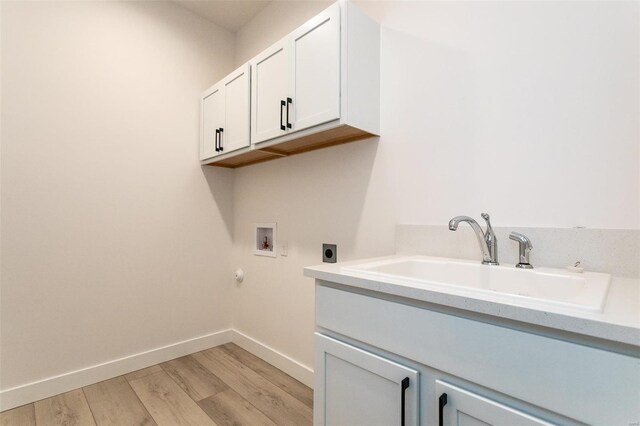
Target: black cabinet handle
[217,138]
[403,387]
[220,139]
[282,104]
[441,403]
[289,101]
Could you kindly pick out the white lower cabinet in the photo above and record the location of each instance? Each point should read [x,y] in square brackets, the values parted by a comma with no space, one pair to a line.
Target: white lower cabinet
[361,388]
[355,386]
[463,369]
[460,407]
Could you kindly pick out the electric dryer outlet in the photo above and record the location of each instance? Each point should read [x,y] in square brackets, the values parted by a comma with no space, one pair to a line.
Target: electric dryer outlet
[329,253]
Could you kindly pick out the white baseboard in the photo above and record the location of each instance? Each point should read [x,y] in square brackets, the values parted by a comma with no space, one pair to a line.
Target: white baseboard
[35,391]
[290,366]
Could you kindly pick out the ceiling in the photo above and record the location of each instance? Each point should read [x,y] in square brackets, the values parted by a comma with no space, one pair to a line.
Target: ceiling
[229,14]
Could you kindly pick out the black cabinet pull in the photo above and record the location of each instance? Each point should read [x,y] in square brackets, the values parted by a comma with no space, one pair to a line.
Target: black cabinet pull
[289,101]
[441,403]
[403,387]
[282,104]
[220,139]
[217,137]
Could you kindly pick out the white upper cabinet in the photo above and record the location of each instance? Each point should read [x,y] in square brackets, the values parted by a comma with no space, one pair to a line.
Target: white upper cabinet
[269,88]
[212,119]
[225,115]
[317,87]
[236,106]
[314,85]
[296,82]
[323,76]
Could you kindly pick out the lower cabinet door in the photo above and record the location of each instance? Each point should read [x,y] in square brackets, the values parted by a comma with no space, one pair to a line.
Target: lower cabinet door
[356,387]
[457,406]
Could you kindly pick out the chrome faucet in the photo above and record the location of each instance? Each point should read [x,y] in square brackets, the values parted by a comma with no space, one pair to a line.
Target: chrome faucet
[488,241]
[525,246]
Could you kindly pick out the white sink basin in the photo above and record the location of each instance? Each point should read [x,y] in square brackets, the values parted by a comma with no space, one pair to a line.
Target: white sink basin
[539,286]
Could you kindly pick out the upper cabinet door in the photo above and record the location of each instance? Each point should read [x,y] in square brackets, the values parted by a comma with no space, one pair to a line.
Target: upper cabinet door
[269,86]
[315,70]
[235,132]
[212,110]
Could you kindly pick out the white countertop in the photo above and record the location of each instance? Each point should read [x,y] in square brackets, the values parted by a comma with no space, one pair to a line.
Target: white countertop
[619,321]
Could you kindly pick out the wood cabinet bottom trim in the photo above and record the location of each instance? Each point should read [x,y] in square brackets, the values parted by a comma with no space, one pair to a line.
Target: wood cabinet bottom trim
[323,139]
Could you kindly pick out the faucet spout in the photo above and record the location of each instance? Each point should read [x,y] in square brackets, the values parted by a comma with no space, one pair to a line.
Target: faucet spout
[487,241]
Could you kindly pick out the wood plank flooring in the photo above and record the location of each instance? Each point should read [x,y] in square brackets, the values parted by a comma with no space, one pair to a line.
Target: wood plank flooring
[113,402]
[224,386]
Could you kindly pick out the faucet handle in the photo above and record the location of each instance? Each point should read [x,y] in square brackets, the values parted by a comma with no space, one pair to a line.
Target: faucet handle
[487,219]
[524,247]
[489,232]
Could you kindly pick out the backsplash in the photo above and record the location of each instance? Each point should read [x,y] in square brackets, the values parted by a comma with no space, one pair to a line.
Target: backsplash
[614,251]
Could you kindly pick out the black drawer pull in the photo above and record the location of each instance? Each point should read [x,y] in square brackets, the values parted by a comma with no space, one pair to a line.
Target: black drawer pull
[220,139]
[441,403]
[289,101]
[282,104]
[216,139]
[403,386]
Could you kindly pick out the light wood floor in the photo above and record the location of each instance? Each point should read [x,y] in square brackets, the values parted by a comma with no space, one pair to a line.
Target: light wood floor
[225,385]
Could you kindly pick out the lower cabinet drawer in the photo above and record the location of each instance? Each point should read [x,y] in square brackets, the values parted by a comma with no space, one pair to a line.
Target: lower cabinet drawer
[355,387]
[589,385]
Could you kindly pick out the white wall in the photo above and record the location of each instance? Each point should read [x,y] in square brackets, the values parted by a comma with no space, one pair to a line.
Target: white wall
[114,241]
[527,110]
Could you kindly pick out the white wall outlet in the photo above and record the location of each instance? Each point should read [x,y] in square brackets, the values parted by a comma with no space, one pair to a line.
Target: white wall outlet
[284,249]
